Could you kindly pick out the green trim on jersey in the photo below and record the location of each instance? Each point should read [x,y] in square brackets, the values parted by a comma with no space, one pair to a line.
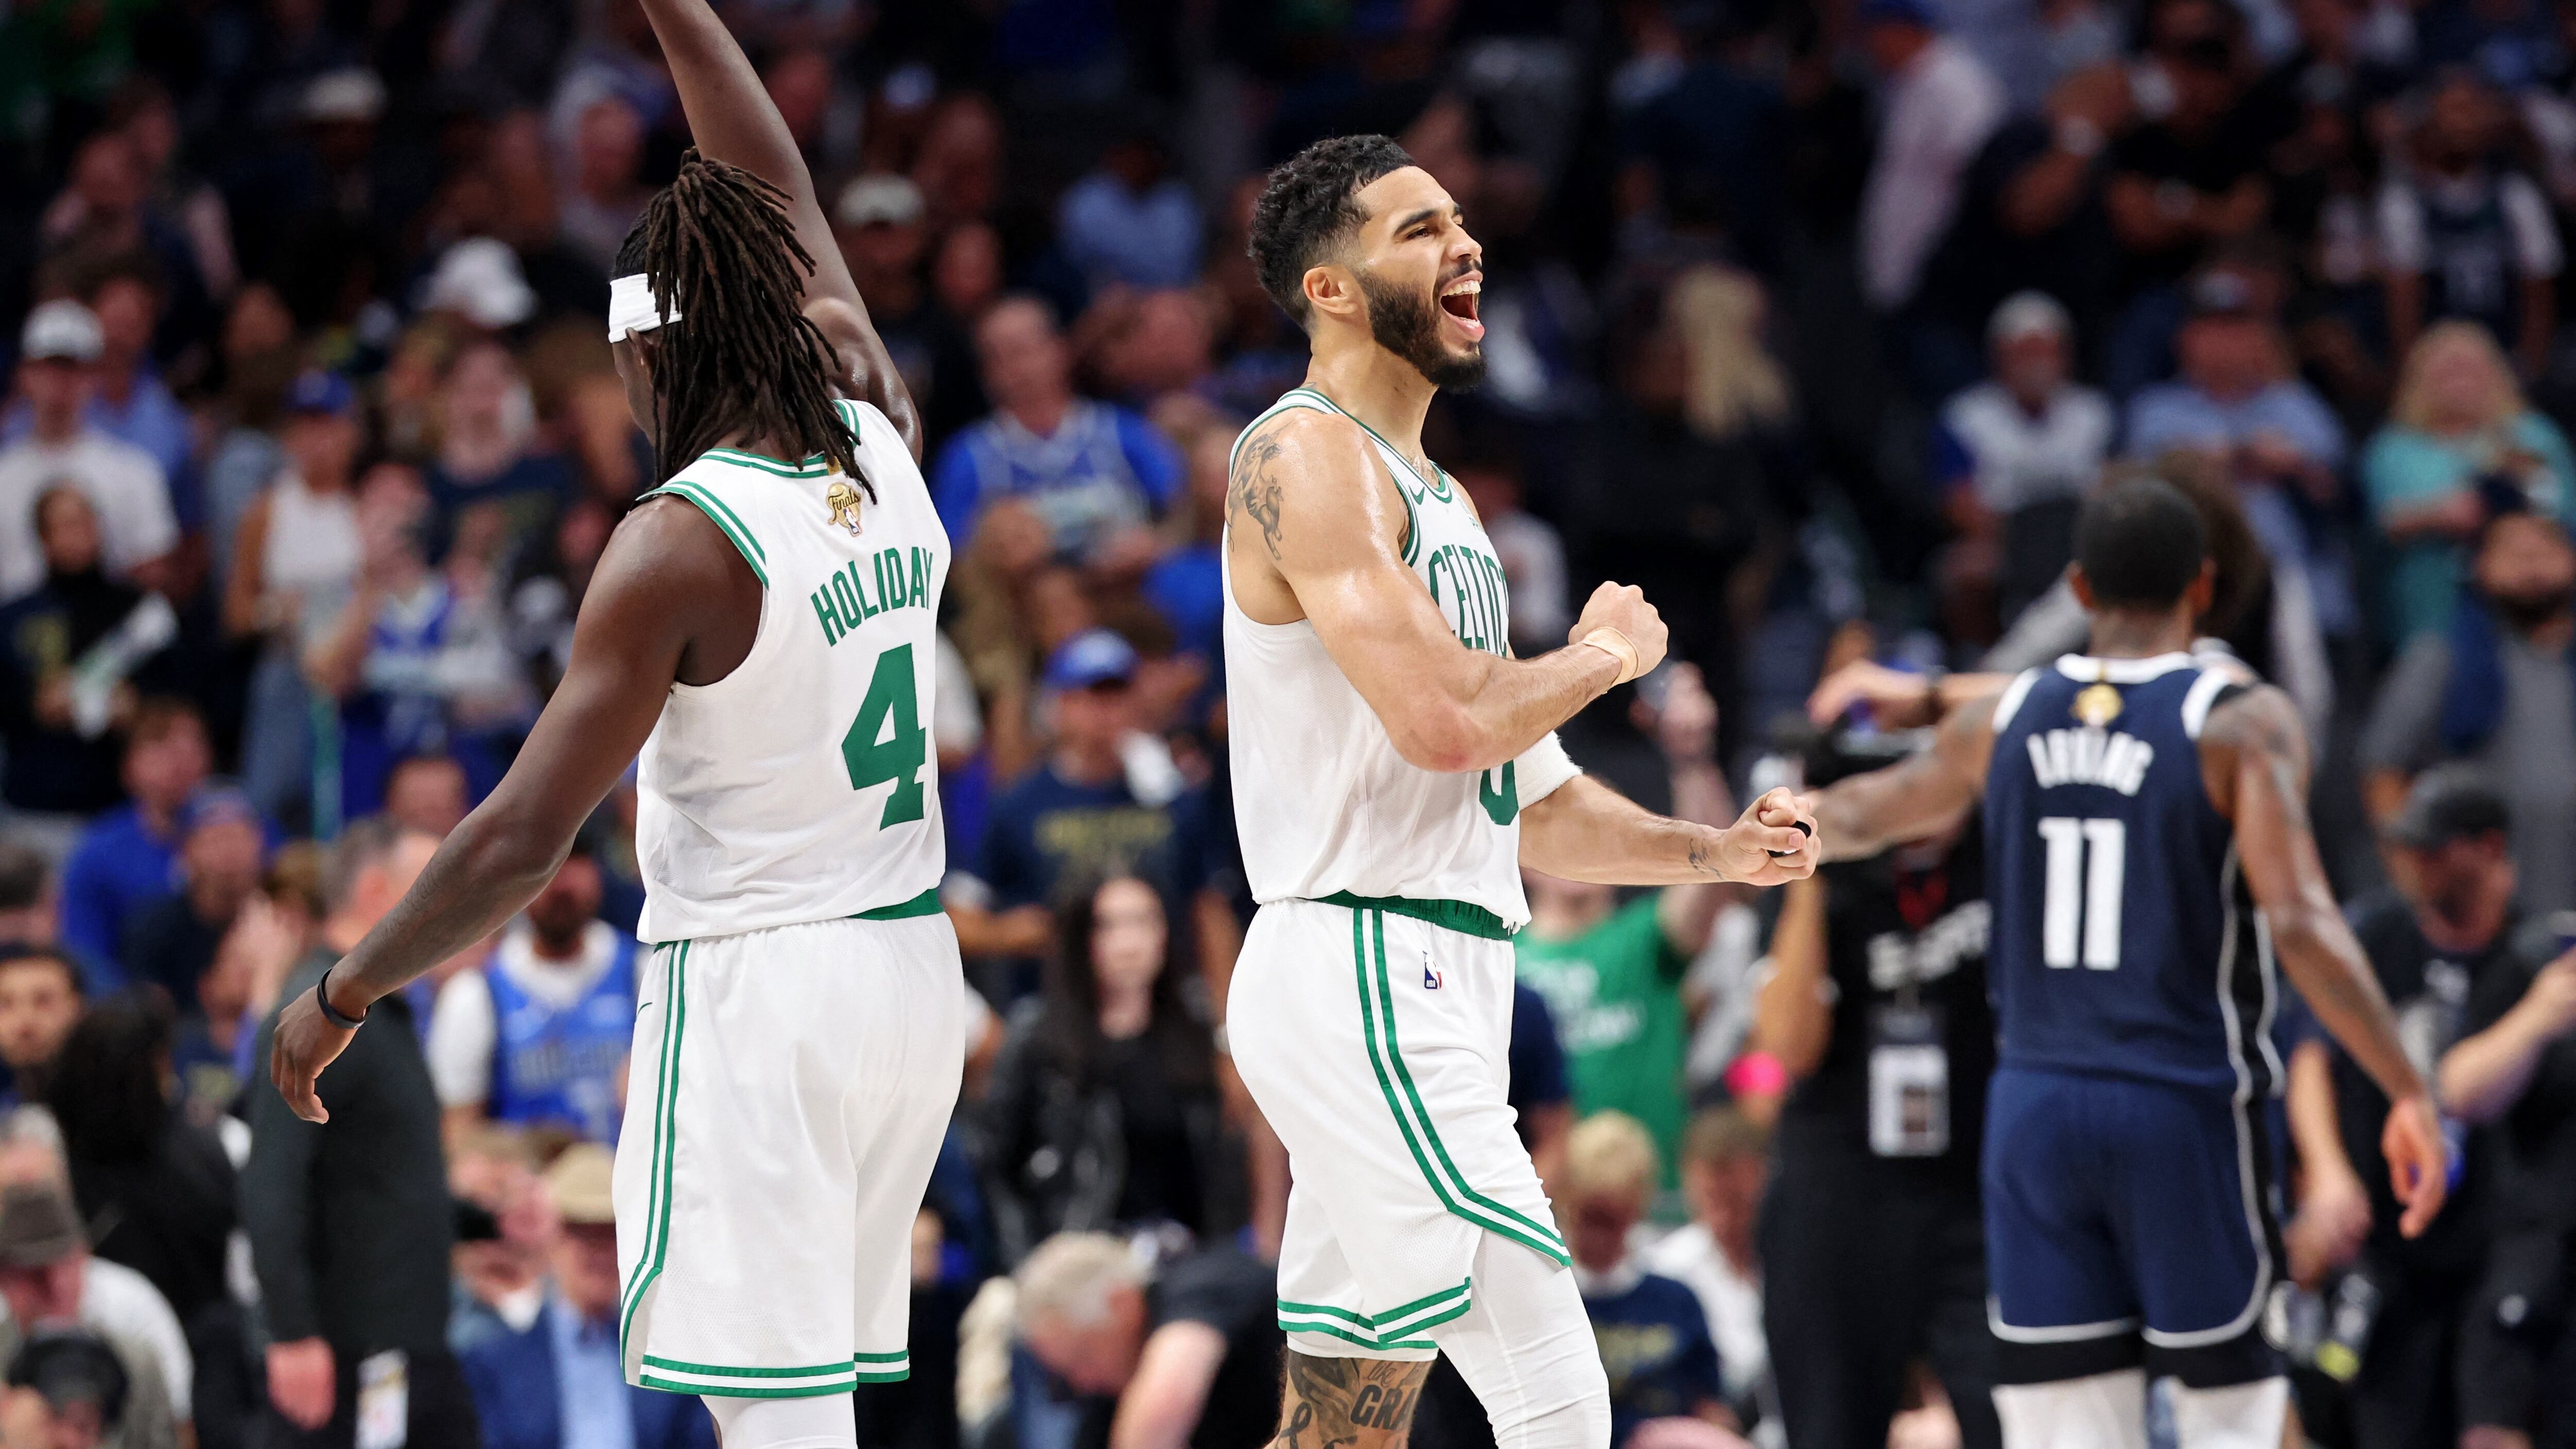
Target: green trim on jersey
[1436,486]
[924,904]
[728,1391]
[1384,1330]
[723,517]
[1438,1168]
[1459,916]
[657,1214]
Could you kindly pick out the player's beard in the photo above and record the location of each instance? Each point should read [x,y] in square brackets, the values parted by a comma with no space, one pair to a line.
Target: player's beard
[1407,324]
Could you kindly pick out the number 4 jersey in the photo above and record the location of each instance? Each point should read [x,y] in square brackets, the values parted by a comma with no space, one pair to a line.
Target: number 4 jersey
[802,787]
[2125,940]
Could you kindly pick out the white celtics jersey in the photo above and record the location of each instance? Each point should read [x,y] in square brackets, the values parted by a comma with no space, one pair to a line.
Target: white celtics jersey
[1324,803]
[801,787]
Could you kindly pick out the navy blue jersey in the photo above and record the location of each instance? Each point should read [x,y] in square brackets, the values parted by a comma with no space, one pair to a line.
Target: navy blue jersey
[2124,939]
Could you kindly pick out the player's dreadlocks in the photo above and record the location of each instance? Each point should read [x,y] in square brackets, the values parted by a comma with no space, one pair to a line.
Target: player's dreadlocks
[740,357]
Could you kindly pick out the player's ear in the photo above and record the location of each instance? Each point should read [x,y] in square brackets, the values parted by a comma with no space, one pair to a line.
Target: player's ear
[2082,586]
[1332,290]
[2203,589]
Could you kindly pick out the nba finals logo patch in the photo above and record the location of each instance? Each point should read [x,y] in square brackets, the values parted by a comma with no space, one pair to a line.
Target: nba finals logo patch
[843,497]
[2097,705]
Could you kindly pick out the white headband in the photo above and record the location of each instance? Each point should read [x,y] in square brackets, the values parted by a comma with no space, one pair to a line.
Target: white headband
[630,307]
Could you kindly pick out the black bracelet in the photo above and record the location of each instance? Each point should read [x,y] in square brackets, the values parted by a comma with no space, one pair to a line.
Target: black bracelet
[330,1013]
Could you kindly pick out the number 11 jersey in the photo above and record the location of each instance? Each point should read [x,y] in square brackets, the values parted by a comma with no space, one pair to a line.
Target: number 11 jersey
[2125,941]
[802,786]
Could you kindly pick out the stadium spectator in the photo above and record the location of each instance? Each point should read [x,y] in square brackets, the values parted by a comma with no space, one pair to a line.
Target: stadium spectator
[221,850]
[2462,235]
[349,1220]
[604,191]
[158,1187]
[127,860]
[558,1383]
[2498,688]
[1874,1213]
[1185,1352]
[427,793]
[2514,1071]
[1612,974]
[2031,442]
[538,1036]
[50,1280]
[1105,800]
[40,1000]
[1103,1114]
[1092,472]
[76,647]
[1942,104]
[296,557]
[488,452]
[29,913]
[58,356]
[1131,221]
[2458,419]
[878,221]
[1654,1339]
[506,1228]
[1726,1161]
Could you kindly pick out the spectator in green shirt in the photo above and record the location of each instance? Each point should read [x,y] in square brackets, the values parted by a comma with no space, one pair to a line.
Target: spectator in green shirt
[1612,974]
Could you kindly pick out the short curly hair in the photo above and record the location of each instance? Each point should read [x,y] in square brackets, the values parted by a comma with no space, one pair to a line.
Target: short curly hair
[1309,206]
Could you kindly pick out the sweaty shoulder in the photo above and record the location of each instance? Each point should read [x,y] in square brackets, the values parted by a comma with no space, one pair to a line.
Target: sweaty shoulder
[2251,722]
[1305,480]
[671,576]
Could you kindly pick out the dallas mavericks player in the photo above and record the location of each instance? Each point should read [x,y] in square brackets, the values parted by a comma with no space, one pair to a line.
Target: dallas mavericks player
[2148,858]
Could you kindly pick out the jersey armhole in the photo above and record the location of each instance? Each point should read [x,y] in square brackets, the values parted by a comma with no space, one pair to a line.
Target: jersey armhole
[2208,692]
[724,518]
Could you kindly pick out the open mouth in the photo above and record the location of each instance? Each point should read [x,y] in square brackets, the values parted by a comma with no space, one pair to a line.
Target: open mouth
[1459,299]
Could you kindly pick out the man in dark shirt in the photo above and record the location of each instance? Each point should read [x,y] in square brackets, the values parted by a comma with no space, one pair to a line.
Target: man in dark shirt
[2433,939]
[1185,1352]
[173,943]
[2514,1073]
[349,1218]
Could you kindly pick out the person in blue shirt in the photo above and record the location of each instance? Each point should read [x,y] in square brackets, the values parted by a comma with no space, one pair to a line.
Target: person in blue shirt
[1106,800]
[127,861]
[1093,474]
[1654,1336]
[557,1384]
[538,1036]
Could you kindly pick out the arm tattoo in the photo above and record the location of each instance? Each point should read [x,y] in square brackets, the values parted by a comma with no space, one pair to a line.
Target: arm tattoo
[1331,1402]
[1253,490]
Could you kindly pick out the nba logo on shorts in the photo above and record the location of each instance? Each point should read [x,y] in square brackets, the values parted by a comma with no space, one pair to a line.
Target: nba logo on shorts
[1430,978]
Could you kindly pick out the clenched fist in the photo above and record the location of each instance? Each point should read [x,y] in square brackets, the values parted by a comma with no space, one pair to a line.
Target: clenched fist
[1623,608]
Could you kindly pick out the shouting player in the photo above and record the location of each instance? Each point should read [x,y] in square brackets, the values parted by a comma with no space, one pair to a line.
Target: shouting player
[1394,767]
[762,630]
[2148,858]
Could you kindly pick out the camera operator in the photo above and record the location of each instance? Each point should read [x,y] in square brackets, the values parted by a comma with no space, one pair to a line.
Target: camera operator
[1873,1239]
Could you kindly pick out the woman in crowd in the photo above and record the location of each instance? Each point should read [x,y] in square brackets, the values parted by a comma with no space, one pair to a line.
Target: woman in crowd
[155,1188]
[1104,1112]
[2459,421]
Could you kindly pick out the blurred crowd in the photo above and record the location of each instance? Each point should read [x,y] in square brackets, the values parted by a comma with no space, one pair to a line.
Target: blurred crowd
[1815,318]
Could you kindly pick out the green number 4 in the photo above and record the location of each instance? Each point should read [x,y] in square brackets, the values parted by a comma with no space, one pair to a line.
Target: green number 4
[891,710]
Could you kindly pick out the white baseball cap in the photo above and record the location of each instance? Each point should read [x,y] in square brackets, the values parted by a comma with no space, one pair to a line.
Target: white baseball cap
[879,198]
[62,329]
[2028,314]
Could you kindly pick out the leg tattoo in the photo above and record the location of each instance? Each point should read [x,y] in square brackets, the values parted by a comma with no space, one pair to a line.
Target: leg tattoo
[1348,1403]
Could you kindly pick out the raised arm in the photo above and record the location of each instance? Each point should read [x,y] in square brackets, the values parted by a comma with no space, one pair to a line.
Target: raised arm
[2254,757]
[1924,794]
[665,574]
[733,120]
[1318,532]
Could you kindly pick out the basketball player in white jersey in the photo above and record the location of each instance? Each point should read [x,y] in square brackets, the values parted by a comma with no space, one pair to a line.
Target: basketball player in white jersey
[761,629]
[1394,768]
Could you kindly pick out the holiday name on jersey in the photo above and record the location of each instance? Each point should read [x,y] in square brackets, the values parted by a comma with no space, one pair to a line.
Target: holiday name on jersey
[897,578]
[2090,757]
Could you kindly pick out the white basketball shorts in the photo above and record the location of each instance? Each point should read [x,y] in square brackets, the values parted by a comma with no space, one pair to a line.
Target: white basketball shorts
[786,1100]
[1376,1038]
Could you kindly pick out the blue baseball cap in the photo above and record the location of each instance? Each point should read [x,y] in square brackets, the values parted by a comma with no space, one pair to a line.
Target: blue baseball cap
[220,803]
[316,391]
[1094,656]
